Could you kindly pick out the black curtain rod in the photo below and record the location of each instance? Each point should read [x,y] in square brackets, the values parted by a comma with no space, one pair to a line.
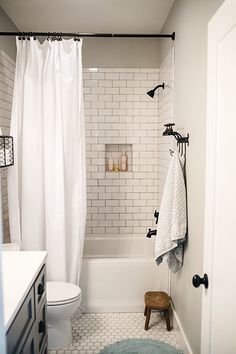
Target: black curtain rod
[84,34]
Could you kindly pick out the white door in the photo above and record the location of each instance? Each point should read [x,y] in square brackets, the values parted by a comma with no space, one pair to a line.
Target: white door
[219,300]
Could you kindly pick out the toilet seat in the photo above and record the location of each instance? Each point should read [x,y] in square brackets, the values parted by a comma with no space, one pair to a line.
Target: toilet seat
[62,293]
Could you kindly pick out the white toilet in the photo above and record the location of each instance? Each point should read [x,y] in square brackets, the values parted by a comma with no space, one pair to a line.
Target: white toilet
[63,300]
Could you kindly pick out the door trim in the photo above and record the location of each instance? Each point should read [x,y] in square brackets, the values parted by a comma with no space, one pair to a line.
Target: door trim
[215,27]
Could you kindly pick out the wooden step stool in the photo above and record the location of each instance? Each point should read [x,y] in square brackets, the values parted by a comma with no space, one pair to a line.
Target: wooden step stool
[157,300]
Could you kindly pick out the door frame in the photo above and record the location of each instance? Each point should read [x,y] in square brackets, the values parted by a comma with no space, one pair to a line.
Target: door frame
[215,29]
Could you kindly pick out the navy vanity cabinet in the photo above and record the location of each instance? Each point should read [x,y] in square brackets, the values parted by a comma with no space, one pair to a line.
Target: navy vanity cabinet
[45,348]
[21,325]
[30,346]
[40,289]
[41,327]
[28,331]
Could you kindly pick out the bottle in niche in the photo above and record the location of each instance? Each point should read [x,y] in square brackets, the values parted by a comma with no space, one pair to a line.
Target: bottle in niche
[124,161]
[110,163]
[116,166]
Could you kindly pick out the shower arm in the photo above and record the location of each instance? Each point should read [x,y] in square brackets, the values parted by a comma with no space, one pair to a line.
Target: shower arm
[162,85]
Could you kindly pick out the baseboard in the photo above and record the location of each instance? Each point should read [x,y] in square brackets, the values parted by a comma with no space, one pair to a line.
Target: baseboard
[181,334]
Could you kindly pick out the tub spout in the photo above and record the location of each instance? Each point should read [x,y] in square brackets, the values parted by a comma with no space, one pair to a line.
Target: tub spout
[151,233]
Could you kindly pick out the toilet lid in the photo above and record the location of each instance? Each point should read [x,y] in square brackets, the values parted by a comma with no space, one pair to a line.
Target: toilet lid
[61,292]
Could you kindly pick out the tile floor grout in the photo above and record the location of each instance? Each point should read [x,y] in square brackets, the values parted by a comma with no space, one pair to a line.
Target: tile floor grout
[92,332]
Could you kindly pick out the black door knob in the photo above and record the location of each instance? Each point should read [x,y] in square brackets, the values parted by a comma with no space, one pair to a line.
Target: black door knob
[197,281]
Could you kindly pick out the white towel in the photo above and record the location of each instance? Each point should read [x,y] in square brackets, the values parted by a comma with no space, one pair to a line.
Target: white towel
[172,223]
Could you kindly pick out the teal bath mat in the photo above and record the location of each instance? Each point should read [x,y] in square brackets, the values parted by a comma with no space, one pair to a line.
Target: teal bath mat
[140,346]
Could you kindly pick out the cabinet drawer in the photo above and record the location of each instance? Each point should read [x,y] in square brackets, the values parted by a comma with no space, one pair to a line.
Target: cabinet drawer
[30,346]
[41,326]
[45,347]
[40,288]
[20,327]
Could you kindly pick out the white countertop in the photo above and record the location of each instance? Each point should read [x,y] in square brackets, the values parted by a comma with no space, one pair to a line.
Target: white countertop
[19,273]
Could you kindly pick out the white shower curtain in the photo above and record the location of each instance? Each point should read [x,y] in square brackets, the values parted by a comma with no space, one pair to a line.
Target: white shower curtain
[47,184]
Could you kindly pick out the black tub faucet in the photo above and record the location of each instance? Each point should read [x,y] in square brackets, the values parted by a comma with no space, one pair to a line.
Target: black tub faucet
[151,233]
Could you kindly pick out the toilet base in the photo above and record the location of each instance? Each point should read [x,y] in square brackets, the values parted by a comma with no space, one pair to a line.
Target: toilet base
[60,335]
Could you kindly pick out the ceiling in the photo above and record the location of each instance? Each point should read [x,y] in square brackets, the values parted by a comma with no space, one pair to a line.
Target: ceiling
[124,16]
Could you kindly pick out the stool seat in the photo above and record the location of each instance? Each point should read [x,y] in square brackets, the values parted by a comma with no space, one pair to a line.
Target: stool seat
[160,301]
[157,300]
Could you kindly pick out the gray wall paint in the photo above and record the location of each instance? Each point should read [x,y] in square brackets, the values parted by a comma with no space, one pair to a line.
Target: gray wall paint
[99,52]
[7,44]
[189,19]
[121,52]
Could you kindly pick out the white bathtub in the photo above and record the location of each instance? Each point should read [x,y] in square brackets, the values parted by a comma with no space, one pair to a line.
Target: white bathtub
[119,284]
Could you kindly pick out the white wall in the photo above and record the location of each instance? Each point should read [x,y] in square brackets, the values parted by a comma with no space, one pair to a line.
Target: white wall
[7,44]
[2,329]
[7,71]
[165,108]
[189,19]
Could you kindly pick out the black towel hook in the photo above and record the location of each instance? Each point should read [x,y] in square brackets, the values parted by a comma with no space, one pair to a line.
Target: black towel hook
[182,141]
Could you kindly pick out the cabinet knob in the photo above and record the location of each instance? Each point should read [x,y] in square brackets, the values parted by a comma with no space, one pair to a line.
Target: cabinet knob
[42,327]
[40,289]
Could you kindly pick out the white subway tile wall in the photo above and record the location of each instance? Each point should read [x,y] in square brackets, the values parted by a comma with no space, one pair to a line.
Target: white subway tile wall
[166,115]
[7,72]
[118,111]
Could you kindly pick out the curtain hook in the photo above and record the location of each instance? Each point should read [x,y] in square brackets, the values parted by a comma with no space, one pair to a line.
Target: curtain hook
[76,38]
[53,37]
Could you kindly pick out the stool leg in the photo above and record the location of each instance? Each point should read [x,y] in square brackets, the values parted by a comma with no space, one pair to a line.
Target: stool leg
[148,314]
[167,318]
[145,311]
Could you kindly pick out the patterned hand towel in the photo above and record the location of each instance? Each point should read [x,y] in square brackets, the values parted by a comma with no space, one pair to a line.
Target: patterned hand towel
[172,223]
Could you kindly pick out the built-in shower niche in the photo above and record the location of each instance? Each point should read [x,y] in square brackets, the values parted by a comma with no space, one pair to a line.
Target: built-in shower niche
[114,161]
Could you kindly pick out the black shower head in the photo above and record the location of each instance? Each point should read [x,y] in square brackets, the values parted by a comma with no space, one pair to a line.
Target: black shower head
[151,93]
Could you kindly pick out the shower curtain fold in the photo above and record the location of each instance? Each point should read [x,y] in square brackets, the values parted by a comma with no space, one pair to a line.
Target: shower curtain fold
[47,185]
